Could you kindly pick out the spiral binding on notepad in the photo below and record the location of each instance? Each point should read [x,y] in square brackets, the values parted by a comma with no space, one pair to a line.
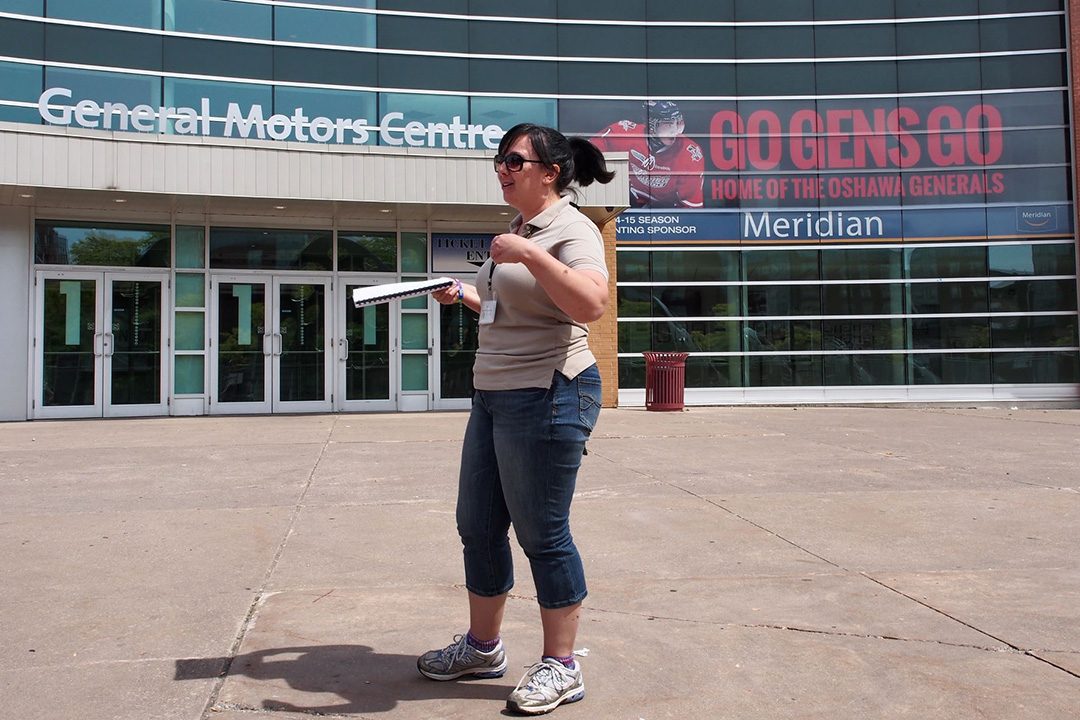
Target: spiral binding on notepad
[420,288]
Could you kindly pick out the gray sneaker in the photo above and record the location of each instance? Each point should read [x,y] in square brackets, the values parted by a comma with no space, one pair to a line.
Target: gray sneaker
[545,686]
[459,658]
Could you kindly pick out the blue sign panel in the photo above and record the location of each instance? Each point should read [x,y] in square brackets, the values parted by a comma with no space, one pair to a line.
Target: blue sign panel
[847,225]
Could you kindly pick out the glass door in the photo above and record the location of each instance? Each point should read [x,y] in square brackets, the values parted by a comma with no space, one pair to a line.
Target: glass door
[100,340]
[457,345]
[270,344]
[240,345]
[301,355]
[366,353]
[135,341]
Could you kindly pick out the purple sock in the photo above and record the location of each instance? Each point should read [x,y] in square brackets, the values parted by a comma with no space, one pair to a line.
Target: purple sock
[481,645]
[567,661]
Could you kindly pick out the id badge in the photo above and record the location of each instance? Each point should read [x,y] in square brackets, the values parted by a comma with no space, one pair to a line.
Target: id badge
[487,312]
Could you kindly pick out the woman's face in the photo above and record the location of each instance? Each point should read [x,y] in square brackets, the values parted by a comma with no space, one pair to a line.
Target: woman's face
[527,188]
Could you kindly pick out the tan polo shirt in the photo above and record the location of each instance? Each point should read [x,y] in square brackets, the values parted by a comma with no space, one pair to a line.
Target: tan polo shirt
[531,337]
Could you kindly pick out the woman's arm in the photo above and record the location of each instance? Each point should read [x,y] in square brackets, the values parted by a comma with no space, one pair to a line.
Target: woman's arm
[581,294]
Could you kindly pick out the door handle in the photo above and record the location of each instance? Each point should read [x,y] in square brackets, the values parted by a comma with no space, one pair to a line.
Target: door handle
[268,344]
[344,343]
[99,344]
[278,344]
[107,345]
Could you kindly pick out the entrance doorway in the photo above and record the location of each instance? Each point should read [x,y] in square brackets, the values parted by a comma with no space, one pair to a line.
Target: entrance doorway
[270,344]
[100,340]
[367,353]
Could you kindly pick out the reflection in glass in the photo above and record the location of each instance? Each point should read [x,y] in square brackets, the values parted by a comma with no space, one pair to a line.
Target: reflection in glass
[414,372]
[132,13]
[414,252]
[367,252]
[863,334]
[706,372]
[864,369]
[862,299]
[1032,295]
[414,335]
[946,262]
[868,264]
[367,363]
[959,333]
[327,27]
[1037,367]
[68,347]
[635,337]
[190,247]
[1042,259]
[631,372]
[241,325]
[188,378]
[190,290]
[508,112]
[213,17]
[691,301]
[781,264]
[20,82]
[948,297]
[458,331]
[190,331]
[135,346]
[784,370]
[772,300]
[700,372]
[113,244]
[424,109]
[25,7]
[695,266]
[101,87]
[632,266]
[331,104]
[183,92]
[258,249]
[783,335]
[1036,331]
[949,368]
[302,326]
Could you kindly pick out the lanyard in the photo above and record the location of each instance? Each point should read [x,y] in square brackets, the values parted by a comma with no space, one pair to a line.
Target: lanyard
[529,230]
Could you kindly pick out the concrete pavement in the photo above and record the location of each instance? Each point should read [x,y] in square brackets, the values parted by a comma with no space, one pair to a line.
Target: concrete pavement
[743,563]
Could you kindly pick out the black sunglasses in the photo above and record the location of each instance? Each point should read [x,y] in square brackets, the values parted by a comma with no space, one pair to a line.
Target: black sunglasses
[513,161]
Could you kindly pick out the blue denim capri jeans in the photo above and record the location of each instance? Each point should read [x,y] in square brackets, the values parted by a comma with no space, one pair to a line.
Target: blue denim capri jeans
[519,466]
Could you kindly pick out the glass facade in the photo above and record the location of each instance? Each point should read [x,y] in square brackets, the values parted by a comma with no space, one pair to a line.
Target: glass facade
[824,193]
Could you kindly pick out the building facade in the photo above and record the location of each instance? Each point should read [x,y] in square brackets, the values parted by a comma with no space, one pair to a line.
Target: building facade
[829,200]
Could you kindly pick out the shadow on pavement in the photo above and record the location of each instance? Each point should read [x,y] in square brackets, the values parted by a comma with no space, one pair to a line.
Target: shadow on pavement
[367,681]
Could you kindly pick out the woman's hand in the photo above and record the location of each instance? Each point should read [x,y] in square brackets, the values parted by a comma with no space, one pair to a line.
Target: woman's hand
[458,291]
[448,295]
[511,248]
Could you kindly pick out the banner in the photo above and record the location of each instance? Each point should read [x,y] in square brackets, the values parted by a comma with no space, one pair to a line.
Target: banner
[966,149]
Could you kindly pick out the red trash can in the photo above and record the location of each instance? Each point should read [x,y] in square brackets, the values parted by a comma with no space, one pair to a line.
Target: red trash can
[665,380]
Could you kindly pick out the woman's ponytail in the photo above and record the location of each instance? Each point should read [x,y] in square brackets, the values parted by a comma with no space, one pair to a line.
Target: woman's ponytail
[589,163]
[578,159]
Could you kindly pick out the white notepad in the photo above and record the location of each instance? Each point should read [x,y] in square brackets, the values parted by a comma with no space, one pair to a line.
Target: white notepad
[396,291]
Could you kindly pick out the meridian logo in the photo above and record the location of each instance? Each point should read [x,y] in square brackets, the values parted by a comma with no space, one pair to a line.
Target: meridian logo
[1036,219]
[825,226]
[254,124]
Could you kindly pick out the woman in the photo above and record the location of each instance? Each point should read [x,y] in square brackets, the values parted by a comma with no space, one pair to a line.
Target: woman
[537,399]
